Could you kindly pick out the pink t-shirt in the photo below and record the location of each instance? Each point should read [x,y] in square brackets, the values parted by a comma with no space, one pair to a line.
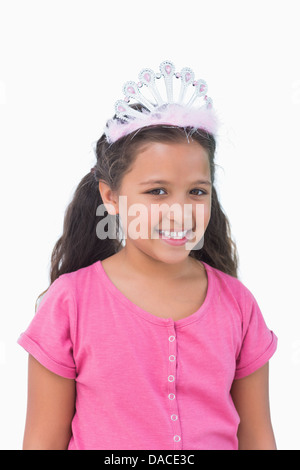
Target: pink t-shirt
[145,382]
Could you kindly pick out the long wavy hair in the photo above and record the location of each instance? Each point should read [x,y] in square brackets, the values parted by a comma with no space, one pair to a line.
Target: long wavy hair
[79,246]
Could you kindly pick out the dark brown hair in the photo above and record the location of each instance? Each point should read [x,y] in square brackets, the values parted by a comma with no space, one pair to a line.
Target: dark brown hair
[79,246]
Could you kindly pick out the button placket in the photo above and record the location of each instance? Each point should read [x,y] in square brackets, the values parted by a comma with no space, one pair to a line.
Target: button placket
[172,396]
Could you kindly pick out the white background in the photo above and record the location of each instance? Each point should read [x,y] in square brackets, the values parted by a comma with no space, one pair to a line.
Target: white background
[62,67]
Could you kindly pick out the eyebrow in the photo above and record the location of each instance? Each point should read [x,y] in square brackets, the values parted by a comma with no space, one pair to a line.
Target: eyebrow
[167,182]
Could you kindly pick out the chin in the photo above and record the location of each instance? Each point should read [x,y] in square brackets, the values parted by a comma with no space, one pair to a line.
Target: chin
[169,255]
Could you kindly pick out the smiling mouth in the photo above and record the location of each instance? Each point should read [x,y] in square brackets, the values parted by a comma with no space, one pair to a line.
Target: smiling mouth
[172,235]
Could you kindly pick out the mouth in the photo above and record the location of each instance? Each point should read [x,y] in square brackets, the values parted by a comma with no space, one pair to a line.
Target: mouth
[172,235]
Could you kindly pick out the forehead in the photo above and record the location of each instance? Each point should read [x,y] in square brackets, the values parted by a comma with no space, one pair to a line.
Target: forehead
[170,160]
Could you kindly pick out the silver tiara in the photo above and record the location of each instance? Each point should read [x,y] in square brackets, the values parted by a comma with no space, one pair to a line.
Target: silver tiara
[162,109]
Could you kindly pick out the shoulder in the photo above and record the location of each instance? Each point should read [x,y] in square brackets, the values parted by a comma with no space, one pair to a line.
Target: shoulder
[231,290]
[81,279]
[226,281]
[71,285]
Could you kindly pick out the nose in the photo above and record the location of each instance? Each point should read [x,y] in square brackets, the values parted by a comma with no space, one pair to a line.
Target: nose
[179,216]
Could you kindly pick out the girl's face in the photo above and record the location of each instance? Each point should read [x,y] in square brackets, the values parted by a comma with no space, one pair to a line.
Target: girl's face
[165,175]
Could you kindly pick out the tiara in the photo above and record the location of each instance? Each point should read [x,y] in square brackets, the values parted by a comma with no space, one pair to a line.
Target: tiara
[181,113]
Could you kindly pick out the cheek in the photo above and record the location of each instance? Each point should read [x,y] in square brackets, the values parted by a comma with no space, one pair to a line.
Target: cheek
[201,216]
[207,213]
[150,215]
[155,216]
[138,221]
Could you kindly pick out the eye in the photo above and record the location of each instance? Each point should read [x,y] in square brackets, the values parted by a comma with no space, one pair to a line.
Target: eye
[153,191]
[161,189]
[203,192]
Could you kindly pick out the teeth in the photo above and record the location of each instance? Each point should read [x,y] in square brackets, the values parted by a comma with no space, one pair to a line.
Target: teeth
[175,235]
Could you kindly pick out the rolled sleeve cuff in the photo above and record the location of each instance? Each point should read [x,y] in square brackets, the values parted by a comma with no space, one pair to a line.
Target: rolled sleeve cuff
[41,356]
[260,361]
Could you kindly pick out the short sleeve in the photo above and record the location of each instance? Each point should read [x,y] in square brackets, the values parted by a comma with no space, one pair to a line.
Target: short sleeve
[258,342]
[49,336]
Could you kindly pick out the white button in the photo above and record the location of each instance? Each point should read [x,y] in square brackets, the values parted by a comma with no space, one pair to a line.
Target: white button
[171,378]
[171,396]
[177,438]
[172,358]
[171,338]
[174,417]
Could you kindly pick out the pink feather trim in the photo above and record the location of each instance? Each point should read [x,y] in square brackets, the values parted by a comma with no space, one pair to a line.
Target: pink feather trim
[173,114]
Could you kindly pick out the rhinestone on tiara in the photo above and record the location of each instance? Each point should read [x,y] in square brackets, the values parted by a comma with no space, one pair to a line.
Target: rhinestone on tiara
[162,109]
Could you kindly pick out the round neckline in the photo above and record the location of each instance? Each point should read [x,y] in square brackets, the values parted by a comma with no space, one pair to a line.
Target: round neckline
[149,316]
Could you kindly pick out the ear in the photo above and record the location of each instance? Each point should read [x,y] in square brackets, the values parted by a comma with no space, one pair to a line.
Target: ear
[109,198]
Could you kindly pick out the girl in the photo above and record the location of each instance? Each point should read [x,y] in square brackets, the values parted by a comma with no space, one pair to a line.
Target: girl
[149,342]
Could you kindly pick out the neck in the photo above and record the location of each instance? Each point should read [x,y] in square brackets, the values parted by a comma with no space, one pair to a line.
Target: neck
[138,263]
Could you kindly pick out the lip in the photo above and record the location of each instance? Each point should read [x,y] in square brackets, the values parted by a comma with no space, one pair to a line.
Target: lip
[174,242]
